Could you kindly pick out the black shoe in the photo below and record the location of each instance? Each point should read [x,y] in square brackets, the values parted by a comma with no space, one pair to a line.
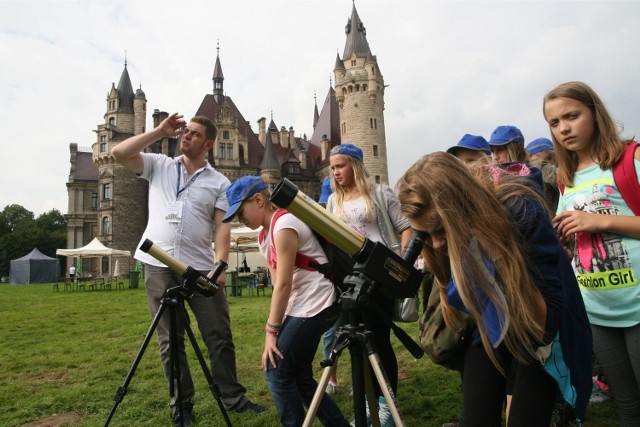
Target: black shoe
[250,406]
[188,418]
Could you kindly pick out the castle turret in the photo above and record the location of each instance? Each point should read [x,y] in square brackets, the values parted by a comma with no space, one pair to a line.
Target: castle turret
[360,96]
[121,205]
[218,80]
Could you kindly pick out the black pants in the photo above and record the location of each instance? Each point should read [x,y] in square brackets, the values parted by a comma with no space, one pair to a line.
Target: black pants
[484,390]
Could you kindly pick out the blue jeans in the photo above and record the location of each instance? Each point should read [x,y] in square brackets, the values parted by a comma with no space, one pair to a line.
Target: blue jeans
[291,383]
[618,353]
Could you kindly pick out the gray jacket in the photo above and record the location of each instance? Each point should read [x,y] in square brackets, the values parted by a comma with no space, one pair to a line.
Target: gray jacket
[399,222]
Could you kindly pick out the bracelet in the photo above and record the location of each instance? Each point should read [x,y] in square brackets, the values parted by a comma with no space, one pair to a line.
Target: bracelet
[272,329]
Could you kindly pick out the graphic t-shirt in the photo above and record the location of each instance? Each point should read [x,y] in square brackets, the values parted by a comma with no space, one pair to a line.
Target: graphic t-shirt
[606,264]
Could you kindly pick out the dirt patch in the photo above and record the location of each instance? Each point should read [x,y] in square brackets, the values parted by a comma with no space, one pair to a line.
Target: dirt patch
[58,420]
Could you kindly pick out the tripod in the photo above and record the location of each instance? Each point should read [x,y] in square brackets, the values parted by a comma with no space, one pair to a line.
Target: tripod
[357,339]
[173,300]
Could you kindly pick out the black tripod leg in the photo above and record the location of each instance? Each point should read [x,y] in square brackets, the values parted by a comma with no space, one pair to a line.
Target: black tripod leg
[122,390]
[215,390]
[174,358]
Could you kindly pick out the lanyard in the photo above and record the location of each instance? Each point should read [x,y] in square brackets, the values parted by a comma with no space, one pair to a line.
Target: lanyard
[193,178]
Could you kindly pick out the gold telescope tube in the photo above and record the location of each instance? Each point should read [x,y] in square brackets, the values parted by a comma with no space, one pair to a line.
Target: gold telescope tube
[205,285]
[286,195]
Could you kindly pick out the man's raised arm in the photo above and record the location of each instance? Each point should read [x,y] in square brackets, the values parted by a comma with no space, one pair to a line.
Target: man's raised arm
[127,153]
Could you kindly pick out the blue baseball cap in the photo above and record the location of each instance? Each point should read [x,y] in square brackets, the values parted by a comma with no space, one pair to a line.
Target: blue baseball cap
[242,188]
[506,134]
[472,142]
[539,145]
[348,150]
[326,190]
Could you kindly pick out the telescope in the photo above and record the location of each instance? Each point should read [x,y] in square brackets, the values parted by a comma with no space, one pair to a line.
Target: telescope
[193,279]
[395,274]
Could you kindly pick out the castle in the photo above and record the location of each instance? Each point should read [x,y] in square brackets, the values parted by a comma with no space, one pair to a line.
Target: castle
[109,202]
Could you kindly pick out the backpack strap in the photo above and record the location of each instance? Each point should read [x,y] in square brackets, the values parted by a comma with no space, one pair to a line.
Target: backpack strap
[626,178]
[302,261]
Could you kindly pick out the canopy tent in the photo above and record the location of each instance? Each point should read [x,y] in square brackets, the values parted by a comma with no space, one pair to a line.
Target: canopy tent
[35,267]
[244,240]
[95,249]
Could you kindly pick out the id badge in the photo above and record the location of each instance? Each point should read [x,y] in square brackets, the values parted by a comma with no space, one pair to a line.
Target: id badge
[174,211]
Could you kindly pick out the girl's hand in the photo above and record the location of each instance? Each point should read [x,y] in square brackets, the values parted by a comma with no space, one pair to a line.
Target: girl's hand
[571,222]
[270,351]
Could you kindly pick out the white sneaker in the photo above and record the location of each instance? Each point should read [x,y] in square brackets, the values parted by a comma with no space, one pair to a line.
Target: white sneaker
[384,413]
[332,388]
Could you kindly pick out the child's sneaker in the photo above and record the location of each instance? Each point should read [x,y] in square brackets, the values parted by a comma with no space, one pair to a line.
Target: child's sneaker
[599,392]
[384,413]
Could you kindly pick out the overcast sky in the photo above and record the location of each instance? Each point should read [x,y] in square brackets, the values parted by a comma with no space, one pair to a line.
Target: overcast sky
[452,67]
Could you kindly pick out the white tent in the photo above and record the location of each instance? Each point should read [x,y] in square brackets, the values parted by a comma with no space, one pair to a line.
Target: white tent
[95,249]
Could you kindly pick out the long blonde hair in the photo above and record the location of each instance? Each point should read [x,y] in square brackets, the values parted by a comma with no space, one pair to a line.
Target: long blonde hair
[606,147]
[363,184]
[472,215]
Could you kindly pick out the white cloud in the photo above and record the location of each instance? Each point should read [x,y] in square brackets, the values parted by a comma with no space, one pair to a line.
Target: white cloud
[452,68]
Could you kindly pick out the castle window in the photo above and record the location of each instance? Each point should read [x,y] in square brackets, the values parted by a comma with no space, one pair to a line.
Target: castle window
[364,87]
[225,134]
[377,179]
[357,88]
[344,127]
[373,123]
[375,151]
[225,151]
[105,226]
[373,70]
[94,200]
[350,89]
[293,169]
[103,147]
[344,91]
[106,192]
[353,62]
[112,121]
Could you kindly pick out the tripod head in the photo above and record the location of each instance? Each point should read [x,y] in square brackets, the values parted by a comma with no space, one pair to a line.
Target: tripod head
[193,280]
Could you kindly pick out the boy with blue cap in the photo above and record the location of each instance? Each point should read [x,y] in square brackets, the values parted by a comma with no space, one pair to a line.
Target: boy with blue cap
[303,302]
[471,149]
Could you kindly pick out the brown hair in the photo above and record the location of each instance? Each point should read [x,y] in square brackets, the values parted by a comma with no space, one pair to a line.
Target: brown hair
[606,146]
[211,132]
[440,188]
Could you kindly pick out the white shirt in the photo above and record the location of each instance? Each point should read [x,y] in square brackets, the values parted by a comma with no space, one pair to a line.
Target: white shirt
[311,292]
[181,210]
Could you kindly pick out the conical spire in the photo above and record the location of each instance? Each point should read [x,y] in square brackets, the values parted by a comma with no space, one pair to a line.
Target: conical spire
[316,115]
[270,160]
[125,92]
[356,36]
[339,64]
[218,78]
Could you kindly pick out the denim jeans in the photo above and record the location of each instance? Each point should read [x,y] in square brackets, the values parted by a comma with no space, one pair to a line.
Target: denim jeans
[291,383]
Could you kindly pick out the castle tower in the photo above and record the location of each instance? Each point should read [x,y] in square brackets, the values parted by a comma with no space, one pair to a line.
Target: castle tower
[360,97]
[121,197]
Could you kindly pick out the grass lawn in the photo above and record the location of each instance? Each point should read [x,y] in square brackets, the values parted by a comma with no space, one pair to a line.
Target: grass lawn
[64,354]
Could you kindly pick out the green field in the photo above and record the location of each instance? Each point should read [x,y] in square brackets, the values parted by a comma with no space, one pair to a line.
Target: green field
[64,354]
